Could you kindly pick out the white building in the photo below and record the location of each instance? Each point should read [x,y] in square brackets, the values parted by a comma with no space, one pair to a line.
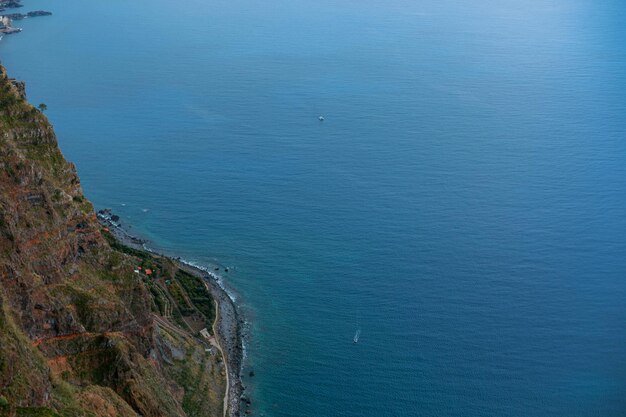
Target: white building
[6,22]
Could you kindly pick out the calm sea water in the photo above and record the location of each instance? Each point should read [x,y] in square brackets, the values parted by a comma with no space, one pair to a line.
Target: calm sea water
[463,202]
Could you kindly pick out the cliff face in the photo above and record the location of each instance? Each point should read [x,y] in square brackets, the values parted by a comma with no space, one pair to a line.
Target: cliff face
[78,332]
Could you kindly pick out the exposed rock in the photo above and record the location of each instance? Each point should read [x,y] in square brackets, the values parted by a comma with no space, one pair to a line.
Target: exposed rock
[20,86]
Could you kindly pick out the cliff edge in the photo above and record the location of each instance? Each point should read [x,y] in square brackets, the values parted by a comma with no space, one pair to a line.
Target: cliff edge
[84,330]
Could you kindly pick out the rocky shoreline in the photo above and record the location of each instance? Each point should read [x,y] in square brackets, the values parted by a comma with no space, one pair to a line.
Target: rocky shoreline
[230,322]
[9,4]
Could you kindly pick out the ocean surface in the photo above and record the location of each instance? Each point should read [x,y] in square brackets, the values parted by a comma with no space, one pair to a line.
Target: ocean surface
[463,203]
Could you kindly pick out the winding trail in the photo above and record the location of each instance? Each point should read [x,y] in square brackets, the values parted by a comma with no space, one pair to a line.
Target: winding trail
[168,326]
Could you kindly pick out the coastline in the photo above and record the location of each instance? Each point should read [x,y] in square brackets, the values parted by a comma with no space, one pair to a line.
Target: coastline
[228,324]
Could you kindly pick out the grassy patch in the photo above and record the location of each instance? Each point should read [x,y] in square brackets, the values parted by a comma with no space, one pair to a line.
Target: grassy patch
[198,294]
[177,292]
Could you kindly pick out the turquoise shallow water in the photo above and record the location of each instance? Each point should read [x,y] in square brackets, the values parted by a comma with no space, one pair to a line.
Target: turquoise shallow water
[463,201]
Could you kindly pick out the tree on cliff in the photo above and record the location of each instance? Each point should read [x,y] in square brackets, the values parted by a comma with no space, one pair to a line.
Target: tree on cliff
[42,107]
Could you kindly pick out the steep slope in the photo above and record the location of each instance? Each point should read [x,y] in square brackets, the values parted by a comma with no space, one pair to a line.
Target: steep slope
[78,326]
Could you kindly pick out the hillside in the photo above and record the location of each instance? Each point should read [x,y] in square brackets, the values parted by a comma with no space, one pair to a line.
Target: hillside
[84,331]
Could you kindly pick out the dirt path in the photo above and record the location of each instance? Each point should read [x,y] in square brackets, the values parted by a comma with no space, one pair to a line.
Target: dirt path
[219,346]
[71,336]
[168,326]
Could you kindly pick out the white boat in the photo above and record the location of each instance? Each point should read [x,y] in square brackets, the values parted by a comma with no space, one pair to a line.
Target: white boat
[356,336]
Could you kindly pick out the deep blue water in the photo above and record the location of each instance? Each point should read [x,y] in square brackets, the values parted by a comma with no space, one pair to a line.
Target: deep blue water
[463,202]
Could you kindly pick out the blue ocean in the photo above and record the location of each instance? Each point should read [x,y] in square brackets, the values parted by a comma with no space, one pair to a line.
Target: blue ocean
[462,204]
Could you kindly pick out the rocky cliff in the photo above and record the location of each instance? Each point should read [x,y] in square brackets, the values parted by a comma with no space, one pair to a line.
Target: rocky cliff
[82,333]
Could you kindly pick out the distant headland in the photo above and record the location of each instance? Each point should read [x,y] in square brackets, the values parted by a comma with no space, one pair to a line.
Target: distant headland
[6,19]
